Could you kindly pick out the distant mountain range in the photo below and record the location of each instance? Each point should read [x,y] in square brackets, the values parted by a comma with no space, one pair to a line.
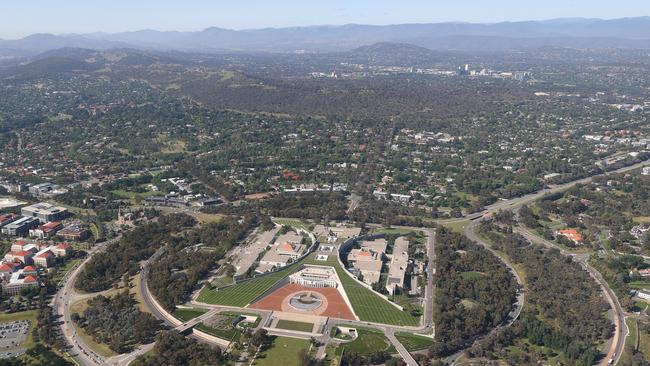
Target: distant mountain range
[573,32]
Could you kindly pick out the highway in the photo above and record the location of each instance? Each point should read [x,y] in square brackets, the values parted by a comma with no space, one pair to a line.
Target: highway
[61,303]
[519,201]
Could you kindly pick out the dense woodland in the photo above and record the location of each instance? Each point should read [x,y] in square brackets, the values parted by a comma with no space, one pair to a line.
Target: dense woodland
[189,257]
[474,292]
[117,322]
[310,205]
[554,284]
[124,255]
[174,349]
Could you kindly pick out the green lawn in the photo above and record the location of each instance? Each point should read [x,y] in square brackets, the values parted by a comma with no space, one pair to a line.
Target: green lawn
[630,340]
[185,315]
[231,334]
[296,223]
[243,293]
[458,227]
[369,341]
[385,230]
[471,275]
[366,303]
[413,342]
[371,307]
[294,325]
[284,351]
[640,284]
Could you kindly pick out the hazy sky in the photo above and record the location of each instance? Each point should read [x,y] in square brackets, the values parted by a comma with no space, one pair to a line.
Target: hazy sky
[22,17]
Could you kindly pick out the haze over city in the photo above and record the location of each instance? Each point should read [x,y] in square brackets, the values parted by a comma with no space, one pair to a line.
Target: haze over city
[22,18]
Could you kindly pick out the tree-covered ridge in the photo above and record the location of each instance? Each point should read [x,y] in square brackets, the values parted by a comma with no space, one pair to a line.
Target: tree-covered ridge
[474,291]
[123,256]
[117,322]
[174,349]
[564,309]
[189,257]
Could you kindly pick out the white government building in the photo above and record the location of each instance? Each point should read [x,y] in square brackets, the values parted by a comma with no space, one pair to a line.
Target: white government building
[315,276]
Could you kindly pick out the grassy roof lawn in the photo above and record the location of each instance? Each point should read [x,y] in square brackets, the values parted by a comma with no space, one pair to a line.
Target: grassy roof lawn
[186,315]
[294,325]
[221,326]
[23,315]
[366,303]
[368,342]
[413,342]
[244,293]
[231,334]
[369,306]
[284,351]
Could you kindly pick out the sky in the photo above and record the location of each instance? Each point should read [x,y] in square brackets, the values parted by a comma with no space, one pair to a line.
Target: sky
[19,18]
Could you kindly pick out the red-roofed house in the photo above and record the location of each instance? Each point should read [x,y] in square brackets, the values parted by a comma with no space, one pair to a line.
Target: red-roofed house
[18,245]
[30,279]
[571,234]
[44,258]
[46,230]
[21,256]
[8,219]
[62,250]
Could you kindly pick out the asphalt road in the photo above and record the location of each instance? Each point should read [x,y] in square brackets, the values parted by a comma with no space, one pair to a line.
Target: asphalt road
[61,303]
[85,356]
[618,341]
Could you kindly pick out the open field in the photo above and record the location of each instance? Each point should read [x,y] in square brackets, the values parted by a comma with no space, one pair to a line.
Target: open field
[299,224]
[641,284]
[204,218]
[185,315]
[369,341]
[641,219]
[458,227]
[413,342]
[294,325]
[284,351]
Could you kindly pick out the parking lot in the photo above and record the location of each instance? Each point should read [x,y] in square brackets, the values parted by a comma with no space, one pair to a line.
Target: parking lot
[12,335]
